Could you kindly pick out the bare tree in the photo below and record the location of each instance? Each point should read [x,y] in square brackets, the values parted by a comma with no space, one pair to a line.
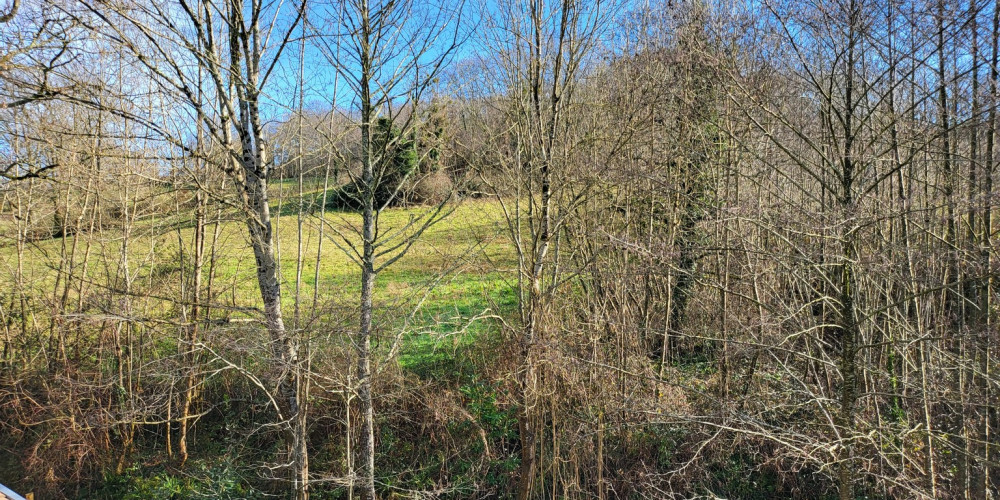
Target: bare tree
[540,52]
[393,51]
[234,47]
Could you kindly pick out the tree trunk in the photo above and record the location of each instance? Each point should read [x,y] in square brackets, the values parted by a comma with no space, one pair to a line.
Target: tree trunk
[365,463]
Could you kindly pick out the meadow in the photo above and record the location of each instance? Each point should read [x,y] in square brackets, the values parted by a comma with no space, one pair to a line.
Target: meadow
[459,269]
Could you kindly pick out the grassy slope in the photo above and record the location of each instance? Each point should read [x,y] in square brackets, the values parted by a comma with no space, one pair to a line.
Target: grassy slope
[457,269]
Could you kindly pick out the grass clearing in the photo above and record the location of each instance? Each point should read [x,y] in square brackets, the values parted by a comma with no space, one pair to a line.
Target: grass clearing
[459,268]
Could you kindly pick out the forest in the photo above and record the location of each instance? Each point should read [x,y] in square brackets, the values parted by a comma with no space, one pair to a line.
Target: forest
[512,249]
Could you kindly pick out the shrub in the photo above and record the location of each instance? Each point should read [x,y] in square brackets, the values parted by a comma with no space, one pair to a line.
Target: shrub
[432,188]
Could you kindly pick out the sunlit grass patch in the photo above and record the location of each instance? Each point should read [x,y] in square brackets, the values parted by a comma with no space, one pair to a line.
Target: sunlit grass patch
[458,269]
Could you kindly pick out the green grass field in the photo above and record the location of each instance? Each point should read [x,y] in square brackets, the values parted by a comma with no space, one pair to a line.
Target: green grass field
[460,268]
